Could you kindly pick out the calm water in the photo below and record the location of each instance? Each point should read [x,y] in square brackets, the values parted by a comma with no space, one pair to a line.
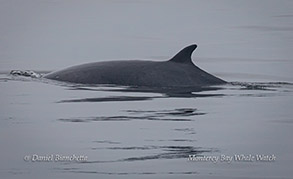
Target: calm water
[137,133]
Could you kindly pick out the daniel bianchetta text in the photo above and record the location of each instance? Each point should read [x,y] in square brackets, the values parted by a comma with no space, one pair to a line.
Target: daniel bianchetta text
[55,158]
[233,158]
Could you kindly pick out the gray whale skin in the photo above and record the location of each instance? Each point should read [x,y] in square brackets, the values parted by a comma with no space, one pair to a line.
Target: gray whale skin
[179,71]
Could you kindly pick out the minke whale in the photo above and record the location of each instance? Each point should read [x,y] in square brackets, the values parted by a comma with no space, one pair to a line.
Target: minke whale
[179,71]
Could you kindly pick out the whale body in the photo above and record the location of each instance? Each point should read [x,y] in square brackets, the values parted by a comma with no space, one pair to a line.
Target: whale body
[179,71]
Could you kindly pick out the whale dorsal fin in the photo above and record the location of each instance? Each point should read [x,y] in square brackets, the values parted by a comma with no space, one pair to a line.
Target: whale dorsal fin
[184,56]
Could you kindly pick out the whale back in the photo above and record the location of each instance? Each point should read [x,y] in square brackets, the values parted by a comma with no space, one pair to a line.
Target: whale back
[176,72]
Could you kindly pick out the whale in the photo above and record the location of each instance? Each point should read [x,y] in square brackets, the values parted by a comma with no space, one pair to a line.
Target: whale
[179,71]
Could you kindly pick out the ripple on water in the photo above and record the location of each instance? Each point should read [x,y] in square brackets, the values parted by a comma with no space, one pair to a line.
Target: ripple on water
[152,115]
[155,152]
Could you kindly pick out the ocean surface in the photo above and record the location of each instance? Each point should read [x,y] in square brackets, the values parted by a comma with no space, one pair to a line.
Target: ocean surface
[52,129]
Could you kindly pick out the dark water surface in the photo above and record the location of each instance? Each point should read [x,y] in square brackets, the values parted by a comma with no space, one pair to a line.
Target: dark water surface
[128,132]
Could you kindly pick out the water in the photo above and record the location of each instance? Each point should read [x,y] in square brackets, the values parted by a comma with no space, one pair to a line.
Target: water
[140,133]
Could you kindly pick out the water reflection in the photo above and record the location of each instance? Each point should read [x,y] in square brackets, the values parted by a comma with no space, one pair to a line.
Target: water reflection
[153,152]
[74,170]
[158,115]
[167,152]
[180,92]
[175,112]
[108,99]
